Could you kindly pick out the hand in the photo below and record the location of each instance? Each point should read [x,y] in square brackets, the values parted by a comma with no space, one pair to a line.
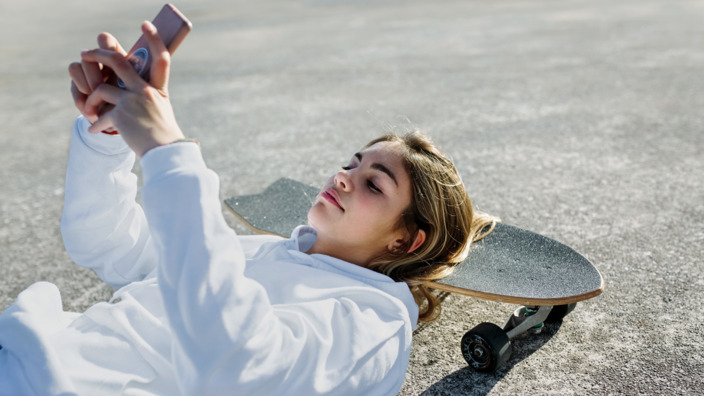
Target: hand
[142,111]
[87,76]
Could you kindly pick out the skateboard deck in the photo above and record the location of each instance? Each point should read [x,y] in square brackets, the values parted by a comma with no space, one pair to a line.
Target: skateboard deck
[278,210]
[517,266]
[510,265]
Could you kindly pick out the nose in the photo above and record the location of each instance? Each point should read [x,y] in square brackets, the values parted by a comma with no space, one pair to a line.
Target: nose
[343,180]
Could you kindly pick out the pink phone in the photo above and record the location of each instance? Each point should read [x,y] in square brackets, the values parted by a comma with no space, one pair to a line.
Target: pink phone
[172,26]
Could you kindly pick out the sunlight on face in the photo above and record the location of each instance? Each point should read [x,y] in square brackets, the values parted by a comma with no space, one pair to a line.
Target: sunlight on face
[358,211]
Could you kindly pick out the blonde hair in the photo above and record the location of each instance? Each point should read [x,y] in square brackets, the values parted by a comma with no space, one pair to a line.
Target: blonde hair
[441,208]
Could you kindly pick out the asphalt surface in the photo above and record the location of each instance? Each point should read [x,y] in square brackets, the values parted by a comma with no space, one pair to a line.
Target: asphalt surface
[580,120]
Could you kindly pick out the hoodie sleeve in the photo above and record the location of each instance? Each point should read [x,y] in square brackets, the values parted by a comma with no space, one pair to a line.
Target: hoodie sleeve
[226,332]
[212,309]
[102,225]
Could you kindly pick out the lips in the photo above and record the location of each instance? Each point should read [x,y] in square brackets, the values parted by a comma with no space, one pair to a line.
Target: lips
[331,196]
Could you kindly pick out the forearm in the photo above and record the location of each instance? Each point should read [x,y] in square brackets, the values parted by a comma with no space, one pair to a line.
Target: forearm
[102,225]
[212,308]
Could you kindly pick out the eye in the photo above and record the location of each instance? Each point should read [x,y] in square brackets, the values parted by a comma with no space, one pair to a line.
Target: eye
[373,186]
[350,166]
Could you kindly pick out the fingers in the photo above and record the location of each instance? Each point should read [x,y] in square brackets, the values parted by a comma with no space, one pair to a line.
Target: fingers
[104,123]
[118,63]
[161,59]
[88,75]
[79,98]
[95,103]
[93,75]
[109,42]
[79,81]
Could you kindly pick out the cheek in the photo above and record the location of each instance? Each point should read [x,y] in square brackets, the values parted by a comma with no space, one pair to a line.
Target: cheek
[378,218]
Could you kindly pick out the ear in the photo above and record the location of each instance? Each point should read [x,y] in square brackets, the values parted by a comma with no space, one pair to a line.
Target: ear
[420,238]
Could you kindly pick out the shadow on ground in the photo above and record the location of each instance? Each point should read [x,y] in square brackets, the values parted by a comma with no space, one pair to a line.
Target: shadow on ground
[467,381]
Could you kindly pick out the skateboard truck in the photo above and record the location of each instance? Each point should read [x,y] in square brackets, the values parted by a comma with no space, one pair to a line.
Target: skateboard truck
[487,346]
[526,319]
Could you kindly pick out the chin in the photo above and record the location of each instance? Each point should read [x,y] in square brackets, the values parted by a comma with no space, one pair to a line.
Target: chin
[314,215]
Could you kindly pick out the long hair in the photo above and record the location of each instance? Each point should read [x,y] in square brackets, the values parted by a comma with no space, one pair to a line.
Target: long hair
[441,208]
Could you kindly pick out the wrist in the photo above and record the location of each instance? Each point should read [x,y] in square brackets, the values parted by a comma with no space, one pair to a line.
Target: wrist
[187,140]
[154,144]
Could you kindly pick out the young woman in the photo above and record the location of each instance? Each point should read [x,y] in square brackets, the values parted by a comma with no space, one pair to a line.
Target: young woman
[201,311]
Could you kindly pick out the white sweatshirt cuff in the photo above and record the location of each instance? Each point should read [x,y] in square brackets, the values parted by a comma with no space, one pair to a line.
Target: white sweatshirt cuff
[100,142]
[165,159]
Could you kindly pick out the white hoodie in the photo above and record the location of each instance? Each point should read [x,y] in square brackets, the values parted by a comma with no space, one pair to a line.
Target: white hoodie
[198,310]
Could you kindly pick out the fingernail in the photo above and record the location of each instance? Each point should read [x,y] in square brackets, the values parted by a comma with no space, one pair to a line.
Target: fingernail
[84,52]
[150,26]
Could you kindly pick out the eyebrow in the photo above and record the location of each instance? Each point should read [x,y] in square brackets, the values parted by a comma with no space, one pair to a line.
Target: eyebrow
[379,167]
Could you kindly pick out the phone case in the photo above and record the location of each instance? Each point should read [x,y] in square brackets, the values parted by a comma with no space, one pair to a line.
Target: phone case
[172,26]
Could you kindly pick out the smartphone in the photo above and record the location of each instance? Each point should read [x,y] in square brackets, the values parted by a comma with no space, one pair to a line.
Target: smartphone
[172,26]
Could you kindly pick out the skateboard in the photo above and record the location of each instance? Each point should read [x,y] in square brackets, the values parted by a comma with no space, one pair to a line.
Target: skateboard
[510,265]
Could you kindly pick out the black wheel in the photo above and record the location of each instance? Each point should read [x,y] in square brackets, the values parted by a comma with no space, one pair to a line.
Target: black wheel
[558,312]
[486,347]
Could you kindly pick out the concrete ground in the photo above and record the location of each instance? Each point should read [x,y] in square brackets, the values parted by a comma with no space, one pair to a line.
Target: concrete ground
[581,120]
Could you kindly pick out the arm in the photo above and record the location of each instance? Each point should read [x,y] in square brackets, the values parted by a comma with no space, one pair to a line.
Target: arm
[348,339]
[102,226]
[226,332]
[212,309]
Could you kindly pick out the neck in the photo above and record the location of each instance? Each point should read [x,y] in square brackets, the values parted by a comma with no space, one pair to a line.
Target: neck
[355,256]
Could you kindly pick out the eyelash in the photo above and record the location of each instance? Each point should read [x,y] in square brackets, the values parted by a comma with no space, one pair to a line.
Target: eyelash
[373,186]
[370,184]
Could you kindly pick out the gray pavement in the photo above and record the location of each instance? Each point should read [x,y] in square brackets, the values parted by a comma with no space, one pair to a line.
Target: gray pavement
[580,120]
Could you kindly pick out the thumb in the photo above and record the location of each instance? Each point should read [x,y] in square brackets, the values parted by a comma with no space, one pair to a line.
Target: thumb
[109,42]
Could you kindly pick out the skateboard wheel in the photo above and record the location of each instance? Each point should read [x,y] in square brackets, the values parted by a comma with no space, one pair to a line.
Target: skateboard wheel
[486,347]
[558,312]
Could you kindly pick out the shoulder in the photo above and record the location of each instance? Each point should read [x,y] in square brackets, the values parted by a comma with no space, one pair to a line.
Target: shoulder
[251,243]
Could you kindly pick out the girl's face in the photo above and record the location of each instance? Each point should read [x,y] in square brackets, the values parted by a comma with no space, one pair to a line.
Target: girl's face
[358,211]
